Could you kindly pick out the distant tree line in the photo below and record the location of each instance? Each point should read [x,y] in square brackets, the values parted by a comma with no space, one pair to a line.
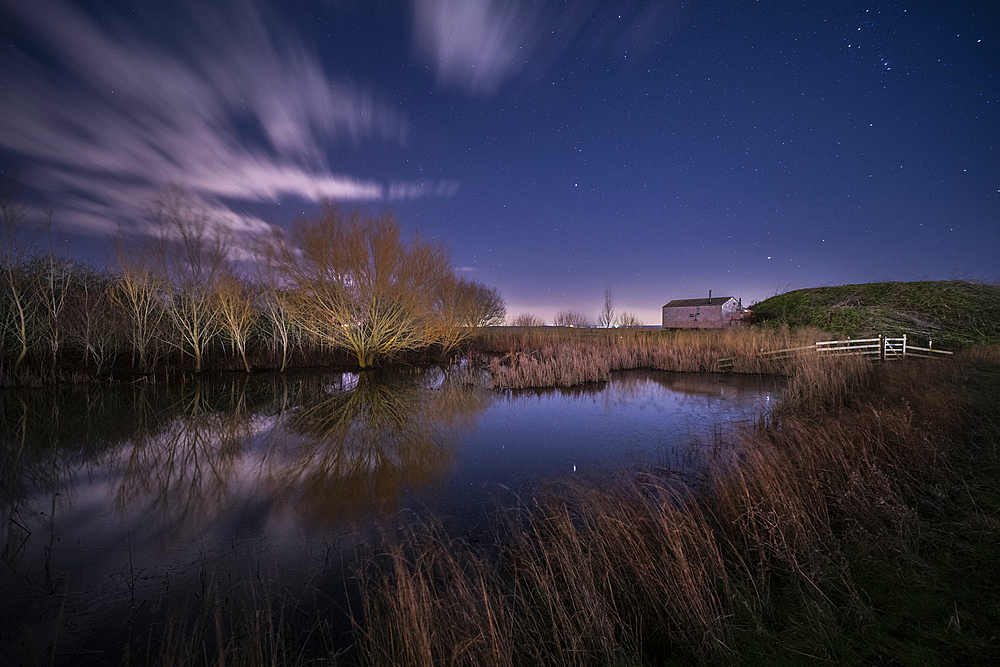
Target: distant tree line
[341,288]
[606,318]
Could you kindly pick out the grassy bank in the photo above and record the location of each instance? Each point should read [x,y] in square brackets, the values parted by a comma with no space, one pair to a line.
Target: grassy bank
[855,525]
[949,312]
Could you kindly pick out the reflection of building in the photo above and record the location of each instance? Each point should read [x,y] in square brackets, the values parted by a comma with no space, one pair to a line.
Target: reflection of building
[722,311]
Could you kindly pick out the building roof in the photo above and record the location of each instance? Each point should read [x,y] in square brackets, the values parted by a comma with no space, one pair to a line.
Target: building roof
[686,303]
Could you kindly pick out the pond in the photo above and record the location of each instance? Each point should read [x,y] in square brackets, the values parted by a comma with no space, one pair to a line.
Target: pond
[119,501]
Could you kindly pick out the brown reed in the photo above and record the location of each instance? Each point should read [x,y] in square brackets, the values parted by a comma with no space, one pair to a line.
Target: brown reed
[520,358]
[647,568]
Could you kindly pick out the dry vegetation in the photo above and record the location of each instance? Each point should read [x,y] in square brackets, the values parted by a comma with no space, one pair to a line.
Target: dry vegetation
[525,357]
[344,289]
[867,482]
[758,564]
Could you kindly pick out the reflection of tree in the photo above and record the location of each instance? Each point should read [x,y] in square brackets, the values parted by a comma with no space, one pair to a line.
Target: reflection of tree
[188,454]
[48,438]
[363,447]
[45,432]
[174,444]
[186,466]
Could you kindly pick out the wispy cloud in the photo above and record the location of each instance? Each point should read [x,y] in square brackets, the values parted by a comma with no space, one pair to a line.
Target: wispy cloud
[474,44]
[234,106]
[423,189]
[480,45]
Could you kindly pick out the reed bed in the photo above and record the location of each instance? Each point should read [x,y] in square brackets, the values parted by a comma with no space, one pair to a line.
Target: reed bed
[520,358]
[647,570]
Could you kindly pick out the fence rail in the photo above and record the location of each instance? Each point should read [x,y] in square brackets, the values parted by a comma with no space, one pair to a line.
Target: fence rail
[883,348]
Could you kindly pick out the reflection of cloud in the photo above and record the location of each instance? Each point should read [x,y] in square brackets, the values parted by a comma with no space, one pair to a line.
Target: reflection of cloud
[221,101]
[478,45]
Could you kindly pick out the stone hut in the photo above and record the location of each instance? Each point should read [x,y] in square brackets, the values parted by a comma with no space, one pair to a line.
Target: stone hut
[710,313]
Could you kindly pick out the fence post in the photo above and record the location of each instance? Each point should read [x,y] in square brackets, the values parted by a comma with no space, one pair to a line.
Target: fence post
[881,347]
[904,345]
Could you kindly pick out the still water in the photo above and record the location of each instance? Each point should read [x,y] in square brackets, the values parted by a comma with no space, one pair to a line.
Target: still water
[116,500]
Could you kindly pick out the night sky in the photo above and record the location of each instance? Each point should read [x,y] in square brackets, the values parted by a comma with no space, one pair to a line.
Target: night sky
[661,149]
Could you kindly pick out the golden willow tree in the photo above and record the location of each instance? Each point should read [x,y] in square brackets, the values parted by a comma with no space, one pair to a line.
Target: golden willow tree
[235,312]
[355,284]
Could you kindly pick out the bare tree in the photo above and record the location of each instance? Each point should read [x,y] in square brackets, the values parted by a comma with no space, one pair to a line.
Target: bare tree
[274,300]
[190,252]
[490,310]
[570,318]
[56,284]
[138,292]
[453,313]
[627,319]
[14,260]
[92,321]
[527,320]
[277,311]
[463,306]
[234,303]
[606,318]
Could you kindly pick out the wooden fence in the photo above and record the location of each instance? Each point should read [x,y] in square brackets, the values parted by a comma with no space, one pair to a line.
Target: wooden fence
[883,348]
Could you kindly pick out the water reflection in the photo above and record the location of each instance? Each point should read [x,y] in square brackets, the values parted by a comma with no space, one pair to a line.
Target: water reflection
[320,448]
[638,418]
[358,450]
[121,493]
[113,497]
[331,447]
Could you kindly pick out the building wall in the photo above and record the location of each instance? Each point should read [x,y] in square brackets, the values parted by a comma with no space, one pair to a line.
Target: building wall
[701,317]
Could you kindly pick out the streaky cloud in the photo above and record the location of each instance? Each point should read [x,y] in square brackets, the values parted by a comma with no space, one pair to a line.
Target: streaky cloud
[428,189]
[478,46]
[474,44]
[103,113]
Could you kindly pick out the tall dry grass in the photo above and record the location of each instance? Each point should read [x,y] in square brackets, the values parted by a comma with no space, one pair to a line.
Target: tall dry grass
[520,358]
[646,568]
[593,578]
[264,625]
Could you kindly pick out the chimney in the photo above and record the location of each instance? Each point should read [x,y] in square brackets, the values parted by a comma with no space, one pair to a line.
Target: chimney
[710,297]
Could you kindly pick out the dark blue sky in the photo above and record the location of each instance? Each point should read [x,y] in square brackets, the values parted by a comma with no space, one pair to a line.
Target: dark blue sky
[661,149]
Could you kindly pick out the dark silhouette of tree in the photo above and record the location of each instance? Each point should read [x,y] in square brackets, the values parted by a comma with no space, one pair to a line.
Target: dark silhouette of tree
[627,319]
[527,320]
[20,295]
[570,318]
[606,318]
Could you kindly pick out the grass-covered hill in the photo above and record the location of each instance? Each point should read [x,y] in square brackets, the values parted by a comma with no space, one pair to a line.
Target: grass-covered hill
[952,313]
